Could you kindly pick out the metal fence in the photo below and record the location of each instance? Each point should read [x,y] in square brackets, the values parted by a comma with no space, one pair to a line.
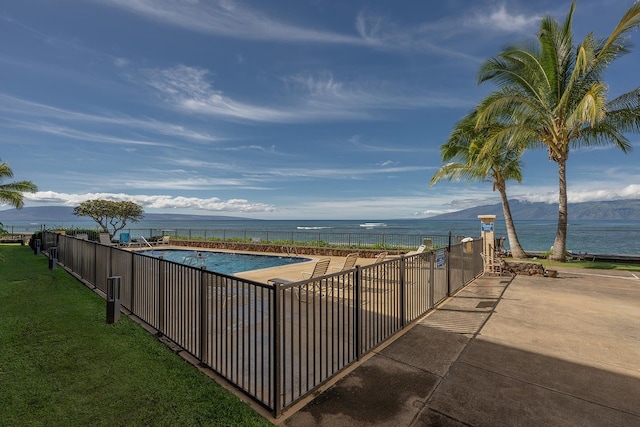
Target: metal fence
[275,342]
[285,237]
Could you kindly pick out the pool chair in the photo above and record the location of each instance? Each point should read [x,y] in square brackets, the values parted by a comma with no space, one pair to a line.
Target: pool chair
[372,273]
[344,281]
[411,253]
[125,239]
[380,257]
[105,239]
[349,263]
[164,240]
[319,270]
[313,287]
[417,251]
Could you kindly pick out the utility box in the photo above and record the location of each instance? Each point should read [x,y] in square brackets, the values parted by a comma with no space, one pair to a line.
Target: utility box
[53,258]
[36,247]
[113,299]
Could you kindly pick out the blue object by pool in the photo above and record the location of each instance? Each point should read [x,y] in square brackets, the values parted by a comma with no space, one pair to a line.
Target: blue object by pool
[223,262]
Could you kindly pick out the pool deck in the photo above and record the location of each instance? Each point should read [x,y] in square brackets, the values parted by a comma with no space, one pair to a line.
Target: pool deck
[291,272]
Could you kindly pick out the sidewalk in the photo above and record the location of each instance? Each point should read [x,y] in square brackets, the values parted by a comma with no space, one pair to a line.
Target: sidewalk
[528,351]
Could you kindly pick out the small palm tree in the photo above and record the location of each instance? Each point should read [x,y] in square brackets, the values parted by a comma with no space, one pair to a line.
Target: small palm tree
[557,98]
[11,192]
[473,162]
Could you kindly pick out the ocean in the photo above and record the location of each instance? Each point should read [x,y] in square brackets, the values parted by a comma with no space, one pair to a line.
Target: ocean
[596,237]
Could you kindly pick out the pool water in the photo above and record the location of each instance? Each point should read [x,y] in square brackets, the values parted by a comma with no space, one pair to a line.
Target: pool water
[223,262]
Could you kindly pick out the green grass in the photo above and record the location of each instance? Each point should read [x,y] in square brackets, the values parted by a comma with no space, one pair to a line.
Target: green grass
[586,264]
[62,364]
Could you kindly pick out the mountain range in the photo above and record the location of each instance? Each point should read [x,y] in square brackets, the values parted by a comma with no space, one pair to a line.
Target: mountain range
[603,210]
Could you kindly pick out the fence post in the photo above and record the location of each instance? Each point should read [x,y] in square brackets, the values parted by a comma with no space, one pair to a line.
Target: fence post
[432,282]
[358,308]
[402,292]
[132,279]
[203,314]
[161,297]
[277,385]
[447,255]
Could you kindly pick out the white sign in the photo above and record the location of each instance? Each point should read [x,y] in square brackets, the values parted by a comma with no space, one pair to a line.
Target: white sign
[440,258]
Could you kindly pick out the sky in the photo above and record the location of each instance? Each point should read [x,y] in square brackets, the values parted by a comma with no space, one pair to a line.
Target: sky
[292,109]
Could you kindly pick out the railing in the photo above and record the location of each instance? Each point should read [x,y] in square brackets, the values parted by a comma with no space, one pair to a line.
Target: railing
[277,343]
[300,237]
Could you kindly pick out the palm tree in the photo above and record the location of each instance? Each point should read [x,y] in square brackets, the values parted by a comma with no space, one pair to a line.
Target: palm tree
[11,192]
[557,98]
[466,144]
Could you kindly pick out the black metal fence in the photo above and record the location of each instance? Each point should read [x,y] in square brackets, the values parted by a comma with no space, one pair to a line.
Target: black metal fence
[284,237]
[276,342]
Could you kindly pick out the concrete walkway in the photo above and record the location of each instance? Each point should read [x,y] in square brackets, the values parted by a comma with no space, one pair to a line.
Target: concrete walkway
[528,351]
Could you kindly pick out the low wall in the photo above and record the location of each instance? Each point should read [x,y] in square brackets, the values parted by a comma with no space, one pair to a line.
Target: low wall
[293,250]
[526,268]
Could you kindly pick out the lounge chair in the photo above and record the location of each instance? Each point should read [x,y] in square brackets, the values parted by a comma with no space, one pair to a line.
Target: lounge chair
[311,288]
[320,269]
[125,239]
[380,257]
[105,239]
[349,263]
[416,252]
[164,240]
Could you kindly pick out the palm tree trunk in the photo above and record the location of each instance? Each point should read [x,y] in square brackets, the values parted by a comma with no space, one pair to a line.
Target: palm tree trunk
[560,244]
[514,244]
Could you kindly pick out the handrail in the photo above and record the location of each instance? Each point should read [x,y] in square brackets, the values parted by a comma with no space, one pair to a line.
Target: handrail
[145,240]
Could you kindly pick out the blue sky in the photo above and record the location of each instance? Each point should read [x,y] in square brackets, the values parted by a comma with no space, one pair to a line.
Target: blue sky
[316,109]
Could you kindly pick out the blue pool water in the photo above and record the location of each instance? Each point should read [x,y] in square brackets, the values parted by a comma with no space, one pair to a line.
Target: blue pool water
[223,262]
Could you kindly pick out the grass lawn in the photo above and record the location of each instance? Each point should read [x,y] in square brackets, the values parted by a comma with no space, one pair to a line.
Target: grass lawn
[589,265]
[62,364]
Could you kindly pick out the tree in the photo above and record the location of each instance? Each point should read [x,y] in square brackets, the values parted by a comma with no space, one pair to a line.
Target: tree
[557,98]
[466,145]
[108,213]
[11,192]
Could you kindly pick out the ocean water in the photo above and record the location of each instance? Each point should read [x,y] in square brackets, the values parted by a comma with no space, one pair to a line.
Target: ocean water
[598,237]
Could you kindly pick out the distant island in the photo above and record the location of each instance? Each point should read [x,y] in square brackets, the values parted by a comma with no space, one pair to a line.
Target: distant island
[597,211]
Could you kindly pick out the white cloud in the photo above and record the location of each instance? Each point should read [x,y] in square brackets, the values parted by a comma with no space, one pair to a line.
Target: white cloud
[499,19]
[160,202]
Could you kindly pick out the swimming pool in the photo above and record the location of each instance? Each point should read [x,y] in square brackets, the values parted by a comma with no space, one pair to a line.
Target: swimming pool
[223,262]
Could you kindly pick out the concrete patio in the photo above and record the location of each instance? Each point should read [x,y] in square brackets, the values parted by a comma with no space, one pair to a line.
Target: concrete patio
[528,351]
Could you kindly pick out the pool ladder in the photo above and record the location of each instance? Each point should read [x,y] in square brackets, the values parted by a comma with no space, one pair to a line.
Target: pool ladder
[290,250]
[196,260]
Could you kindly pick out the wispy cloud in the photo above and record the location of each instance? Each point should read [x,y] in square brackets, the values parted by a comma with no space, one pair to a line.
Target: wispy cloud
[94,137]
[485,20]
[394,147]
[310,97]
[16,107]
[229,18]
